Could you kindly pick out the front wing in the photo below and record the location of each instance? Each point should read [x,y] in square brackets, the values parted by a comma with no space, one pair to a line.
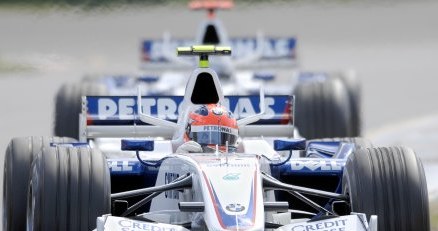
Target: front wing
[353,222]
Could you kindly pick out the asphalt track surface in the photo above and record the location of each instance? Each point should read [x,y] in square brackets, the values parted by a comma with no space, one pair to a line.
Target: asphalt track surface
[392,47]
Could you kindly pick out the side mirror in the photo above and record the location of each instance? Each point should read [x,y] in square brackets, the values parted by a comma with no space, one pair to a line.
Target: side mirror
[137,145]
[293,144]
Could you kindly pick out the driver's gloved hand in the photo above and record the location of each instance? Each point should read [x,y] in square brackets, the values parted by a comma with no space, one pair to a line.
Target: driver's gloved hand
[189,147]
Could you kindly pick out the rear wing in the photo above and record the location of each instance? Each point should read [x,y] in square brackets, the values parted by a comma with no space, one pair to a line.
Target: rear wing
[117,116]
[247,52]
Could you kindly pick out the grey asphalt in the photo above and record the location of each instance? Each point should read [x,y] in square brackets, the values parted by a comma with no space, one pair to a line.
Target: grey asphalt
[391,45]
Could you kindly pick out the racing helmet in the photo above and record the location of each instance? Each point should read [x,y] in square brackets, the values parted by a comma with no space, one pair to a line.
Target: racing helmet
[211,125]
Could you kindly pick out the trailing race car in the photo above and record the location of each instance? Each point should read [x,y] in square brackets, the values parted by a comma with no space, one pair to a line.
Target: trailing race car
[328,103]
[128,172]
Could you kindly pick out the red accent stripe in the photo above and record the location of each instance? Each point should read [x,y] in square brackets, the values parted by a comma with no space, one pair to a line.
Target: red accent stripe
[213,200]
[89,119]
[287,114]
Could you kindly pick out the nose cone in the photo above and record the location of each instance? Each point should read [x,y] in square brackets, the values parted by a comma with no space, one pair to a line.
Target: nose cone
[233,195]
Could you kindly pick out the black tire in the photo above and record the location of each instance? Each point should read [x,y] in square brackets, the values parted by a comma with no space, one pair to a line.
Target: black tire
[322,109]
[389,183]
[354,90]
[17,163]
[70,188]
[68,106]
[358,141]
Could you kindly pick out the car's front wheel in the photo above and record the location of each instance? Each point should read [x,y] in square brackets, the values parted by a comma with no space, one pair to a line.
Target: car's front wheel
[389,183]
[18,158]
[68,190]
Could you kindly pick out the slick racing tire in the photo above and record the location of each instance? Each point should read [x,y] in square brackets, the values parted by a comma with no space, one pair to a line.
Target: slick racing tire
[354,90]
[68,106]
[17,163]
[389,183]
[70,188]
[322,109]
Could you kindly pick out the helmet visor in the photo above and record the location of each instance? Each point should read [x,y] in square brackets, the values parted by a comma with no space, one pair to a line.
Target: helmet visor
[213,134]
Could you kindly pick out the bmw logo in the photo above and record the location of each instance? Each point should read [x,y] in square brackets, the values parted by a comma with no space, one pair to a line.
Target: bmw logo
[235,208]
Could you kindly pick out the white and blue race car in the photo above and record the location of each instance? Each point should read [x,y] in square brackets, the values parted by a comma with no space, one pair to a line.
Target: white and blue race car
[125,173]
[328,103]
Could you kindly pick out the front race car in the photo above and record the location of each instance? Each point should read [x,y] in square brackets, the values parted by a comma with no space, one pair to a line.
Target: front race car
[126,172]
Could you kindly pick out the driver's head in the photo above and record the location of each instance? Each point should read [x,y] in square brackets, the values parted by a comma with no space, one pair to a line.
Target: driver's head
[211,125]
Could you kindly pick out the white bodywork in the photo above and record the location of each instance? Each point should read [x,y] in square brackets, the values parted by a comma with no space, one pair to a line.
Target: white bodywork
[230,187]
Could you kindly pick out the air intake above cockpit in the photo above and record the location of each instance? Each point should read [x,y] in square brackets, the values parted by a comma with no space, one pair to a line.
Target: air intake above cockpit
[204,91]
